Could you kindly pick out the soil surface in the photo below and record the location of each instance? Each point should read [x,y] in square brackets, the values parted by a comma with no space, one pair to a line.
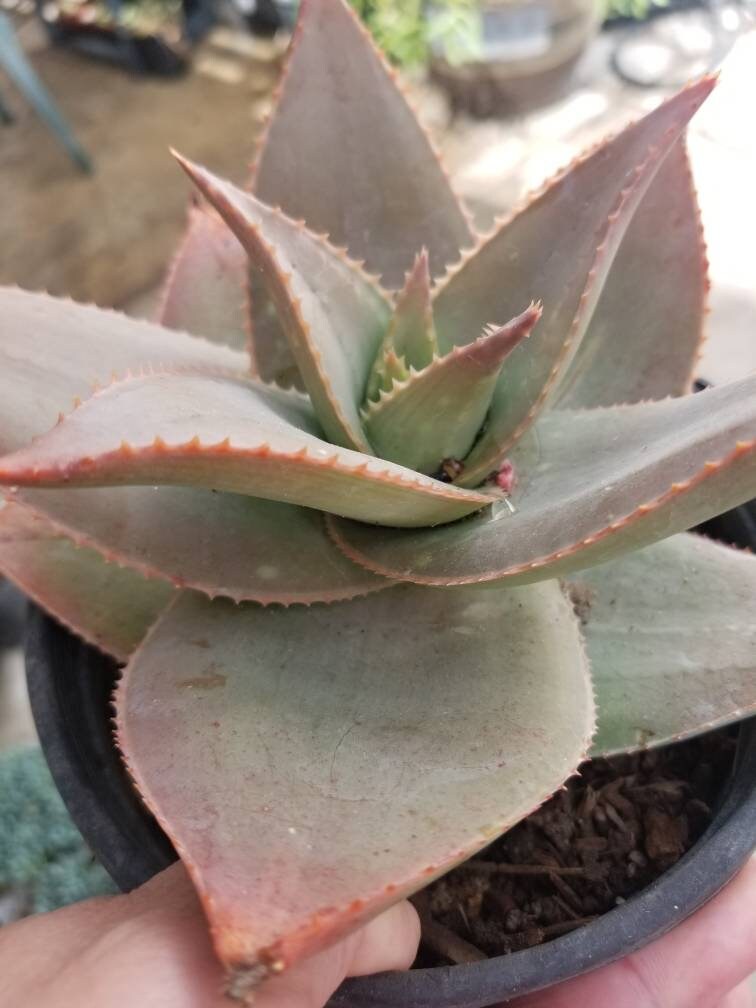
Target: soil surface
[609,833]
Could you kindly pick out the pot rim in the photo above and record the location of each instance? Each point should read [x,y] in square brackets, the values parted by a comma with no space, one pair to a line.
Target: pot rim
[70,686]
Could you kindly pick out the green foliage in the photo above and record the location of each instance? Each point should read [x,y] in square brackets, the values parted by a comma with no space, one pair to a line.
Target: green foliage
[409,32]
[41,851]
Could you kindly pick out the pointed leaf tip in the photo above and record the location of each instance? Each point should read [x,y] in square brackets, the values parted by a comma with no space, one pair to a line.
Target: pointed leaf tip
[410,340]
[334,315]
[584,212]
[436,414]
[345,152]
[314,758]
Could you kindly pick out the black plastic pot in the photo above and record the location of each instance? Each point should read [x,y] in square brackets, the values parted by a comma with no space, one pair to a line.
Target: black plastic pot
[70,686]
[12,612]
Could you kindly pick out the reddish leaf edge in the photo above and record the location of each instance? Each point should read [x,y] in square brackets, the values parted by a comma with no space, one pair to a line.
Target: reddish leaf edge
[243,979]
[741,450]
[195,207]
[150,572]
[44,603]
[390,71]
[477,473]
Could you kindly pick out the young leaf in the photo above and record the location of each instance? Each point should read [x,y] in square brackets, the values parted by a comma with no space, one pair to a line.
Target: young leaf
[411,336]
[671,637]
[333,314]
[219,543]
[204,292]
[643,339]
[590,486]
[109,607]
[231,434]
[437,412]
[53,350]
[346,153]
[320,789]
[559,248]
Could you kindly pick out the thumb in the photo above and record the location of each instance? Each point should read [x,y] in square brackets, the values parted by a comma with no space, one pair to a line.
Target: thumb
[698,965]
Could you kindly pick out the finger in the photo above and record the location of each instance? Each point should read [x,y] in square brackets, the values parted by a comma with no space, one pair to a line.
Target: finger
[695,966]
[388,942]
[741,997]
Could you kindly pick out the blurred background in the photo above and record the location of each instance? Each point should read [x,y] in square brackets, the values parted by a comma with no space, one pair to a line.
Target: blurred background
[92,93]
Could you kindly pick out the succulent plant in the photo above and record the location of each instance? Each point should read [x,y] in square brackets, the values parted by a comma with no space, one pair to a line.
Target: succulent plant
[351,661]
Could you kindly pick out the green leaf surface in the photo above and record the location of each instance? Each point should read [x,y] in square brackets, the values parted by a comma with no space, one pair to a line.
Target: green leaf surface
[644,337]
[205,290]
[671,638]
[232,434]
[219,543]
[411,336]
[108,606]
[589,486]
[324,787]
[436,413]
[345,152]
[333,313]
[53,350]
[558,248]
[269,348]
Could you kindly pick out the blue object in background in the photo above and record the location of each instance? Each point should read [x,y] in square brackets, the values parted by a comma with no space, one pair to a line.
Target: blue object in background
[14,62]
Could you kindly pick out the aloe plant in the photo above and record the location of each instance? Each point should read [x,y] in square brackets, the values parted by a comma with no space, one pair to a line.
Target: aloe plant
[325,531]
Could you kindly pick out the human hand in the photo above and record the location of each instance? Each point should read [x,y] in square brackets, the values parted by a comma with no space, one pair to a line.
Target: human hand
[151,949]
[703,963]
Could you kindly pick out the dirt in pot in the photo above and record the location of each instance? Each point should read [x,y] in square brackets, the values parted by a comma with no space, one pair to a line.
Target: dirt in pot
[609,833]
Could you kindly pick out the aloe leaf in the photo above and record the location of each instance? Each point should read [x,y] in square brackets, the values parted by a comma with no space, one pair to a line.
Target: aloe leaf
[388,370]
[205,290]
[345,152]
[590,485]
[108,606]
[269,347]
[321,790]
[218,543]
[437,412]
[333,314]
[411,336]
[643,339]
[671,638]
[53,350]
[226,433]
[558,248]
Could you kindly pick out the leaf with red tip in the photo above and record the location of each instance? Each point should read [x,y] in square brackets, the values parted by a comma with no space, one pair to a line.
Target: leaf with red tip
[205,290]
[559,248]
[345,152]
[231,434]
[590,486]
[643,339]
[333,314]
[53,350]
[671,638]
[437,413]
[217,543]
[108,606]
[411,336]
[321,789]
